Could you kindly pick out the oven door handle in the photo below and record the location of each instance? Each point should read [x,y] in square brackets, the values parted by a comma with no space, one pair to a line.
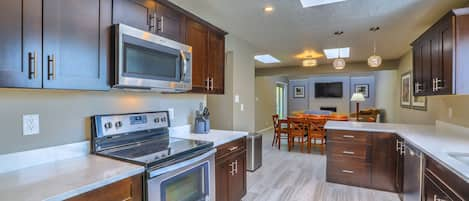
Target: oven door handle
[184,66]
[183,164]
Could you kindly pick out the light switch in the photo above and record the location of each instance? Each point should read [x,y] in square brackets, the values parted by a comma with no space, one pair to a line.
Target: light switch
[171,113]
[31,124]
[237,99]
[242,107]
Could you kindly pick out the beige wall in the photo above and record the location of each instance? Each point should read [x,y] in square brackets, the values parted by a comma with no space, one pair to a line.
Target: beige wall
[64,115]
[386,81]
[265,99]
[438,106]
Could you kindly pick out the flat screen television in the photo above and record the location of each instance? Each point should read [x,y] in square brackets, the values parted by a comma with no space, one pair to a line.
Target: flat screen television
[329,90]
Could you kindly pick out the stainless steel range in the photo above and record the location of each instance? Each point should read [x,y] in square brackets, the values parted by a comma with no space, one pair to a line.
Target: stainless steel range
[176,169]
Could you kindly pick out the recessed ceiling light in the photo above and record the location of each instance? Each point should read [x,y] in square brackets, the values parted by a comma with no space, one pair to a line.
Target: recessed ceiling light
[334,53]
[266,58]
[268,9]
[311,3]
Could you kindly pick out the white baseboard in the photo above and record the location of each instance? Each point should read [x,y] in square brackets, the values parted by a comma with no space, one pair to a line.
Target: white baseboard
[265,129]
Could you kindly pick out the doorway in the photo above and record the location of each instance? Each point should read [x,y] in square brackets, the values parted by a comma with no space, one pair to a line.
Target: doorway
[281,94]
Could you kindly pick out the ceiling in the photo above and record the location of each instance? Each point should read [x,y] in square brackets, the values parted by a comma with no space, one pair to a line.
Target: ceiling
[291,30]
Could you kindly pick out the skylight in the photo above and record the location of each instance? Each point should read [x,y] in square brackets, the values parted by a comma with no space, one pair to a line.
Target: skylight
[266,58]
[311,3]
[334,53]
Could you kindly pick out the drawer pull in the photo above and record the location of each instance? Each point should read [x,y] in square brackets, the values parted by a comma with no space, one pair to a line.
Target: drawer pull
[349,136]
[349,152]
[348,171]
[233,148]
[435,198]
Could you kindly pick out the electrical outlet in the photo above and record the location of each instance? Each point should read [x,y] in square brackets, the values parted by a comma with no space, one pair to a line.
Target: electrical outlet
[171,113]
[450,113]
[31,124]
[237,99]
[242,107]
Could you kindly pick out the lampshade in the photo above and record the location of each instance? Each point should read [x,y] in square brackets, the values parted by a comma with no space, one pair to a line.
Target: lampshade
[358,97]
[339,64]
[374,61]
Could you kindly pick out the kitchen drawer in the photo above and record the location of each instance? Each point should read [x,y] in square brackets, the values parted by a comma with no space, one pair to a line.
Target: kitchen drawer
[348,136]
[129,189]
[231,147]
[456,187]
[351,151]
[349,172]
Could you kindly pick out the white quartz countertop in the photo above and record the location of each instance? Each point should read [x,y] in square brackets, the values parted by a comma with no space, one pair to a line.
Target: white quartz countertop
[64,179]
[218,137]
[438,142]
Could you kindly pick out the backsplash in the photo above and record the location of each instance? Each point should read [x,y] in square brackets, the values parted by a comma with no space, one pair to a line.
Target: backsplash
[64,115]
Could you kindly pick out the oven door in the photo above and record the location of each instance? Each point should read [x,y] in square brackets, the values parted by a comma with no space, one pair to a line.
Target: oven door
[146,60]
[191,180]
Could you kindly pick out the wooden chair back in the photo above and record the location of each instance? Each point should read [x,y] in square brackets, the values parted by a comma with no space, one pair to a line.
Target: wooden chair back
[275,121]
[297,126]
[316,126]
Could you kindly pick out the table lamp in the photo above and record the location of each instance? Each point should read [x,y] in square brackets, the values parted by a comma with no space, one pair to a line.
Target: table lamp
[358,97]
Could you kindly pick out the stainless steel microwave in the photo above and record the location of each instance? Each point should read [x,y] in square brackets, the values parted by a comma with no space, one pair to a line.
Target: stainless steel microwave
[147,61]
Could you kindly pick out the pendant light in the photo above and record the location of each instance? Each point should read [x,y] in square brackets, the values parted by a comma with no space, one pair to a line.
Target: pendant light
[339,63]
[374,60]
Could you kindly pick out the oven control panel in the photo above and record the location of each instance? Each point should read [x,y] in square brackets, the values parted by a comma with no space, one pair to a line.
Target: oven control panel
[118,124]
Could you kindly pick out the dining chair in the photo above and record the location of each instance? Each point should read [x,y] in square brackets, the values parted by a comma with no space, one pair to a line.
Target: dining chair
[297,128]
[316,131]
[278,130]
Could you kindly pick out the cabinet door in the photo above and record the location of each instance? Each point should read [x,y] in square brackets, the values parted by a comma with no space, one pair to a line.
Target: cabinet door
[197,37]
[135,13]
[383,165]
[445,73]
[169,23]
[399,166]
[73,31]
[427,66]
[433,192]
[237,181]
[20,43]
[216,62]
[222,172]
[419,88]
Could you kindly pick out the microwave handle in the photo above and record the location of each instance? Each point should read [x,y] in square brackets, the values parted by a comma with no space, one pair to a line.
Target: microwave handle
[184,66]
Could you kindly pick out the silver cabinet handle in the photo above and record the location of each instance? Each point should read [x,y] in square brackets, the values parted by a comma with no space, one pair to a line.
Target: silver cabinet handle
[349,152]
[211,84]
[349,136]
[402,149]
[152,19]
[236,166]
[348,171]
[51,67]
[398,146]
[33,65]
[207,84]
[435,198]
[418,87]
[232,171]
[233,148]
[438,84]
[161,24]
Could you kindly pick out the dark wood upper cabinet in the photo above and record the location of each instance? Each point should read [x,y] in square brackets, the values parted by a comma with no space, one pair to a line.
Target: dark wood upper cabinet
[440,66]
[169,23]
[75,35]
[20,43]
[135,13]
[216,62]
[197,37]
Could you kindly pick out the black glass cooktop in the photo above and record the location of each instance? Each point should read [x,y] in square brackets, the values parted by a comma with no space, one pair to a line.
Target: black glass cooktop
[157,150]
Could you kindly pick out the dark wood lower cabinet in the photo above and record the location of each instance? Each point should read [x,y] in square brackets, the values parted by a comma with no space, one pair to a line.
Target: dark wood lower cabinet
[129,189]
[362,159]
[231,171]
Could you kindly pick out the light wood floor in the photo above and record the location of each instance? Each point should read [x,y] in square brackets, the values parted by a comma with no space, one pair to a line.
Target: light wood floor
[296,176]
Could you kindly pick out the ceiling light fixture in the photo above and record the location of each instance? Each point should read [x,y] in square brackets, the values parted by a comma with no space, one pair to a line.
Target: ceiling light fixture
[266,58]
[268,9]
[339,63]
[311,3]
[374,60]
[310,63]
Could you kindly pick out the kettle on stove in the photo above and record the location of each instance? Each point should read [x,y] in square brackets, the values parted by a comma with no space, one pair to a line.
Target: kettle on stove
[202,121]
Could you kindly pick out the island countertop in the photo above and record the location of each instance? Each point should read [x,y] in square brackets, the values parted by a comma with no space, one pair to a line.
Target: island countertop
[437,141]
